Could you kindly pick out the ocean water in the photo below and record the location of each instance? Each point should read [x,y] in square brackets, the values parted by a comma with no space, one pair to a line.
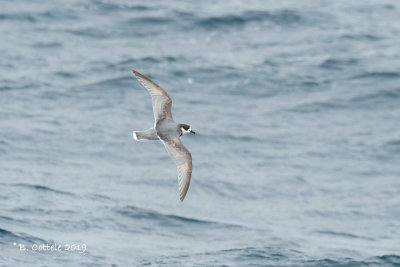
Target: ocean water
[296,106]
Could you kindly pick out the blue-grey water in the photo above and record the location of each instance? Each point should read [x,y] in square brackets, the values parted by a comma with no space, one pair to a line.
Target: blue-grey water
[297,109]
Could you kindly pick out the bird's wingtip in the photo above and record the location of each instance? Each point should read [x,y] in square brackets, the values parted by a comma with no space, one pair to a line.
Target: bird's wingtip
[182,197]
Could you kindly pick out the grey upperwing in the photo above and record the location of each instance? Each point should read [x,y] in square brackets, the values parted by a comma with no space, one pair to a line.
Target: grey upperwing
[162,102]
[183,161]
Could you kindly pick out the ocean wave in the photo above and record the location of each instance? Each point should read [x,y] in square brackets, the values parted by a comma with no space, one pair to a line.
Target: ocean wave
[132,63]
[92,32]
[392,146]
[7,85]
[7,236]
[11,220]
[46,16]
[18,17]
[112,7]
[231,137]
[361,37]
[393,260]
[149,21]
[319,106]
[384,97]
[42,188]
[378,75]
[338,64]
[168,220]
[111,83]
[281,17]
[343,234]
[386,260]
[46,45]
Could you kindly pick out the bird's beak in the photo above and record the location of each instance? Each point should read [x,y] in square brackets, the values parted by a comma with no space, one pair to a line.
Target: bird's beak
[193,132]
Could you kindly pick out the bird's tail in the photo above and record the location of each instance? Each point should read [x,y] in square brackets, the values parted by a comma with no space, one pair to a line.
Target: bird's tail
[149,134]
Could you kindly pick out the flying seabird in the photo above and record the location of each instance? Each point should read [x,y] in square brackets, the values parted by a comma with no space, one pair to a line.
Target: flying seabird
[168,131]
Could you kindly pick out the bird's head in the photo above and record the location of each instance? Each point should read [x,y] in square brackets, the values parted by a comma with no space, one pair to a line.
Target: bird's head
[185,128]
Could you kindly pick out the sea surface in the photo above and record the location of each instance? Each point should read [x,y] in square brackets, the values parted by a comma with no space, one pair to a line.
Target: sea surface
[296,106]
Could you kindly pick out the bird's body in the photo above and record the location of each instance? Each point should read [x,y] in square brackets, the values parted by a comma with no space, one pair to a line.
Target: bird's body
[168,131]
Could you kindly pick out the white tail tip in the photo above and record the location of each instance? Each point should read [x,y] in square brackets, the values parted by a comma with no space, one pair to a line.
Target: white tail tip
[135,136]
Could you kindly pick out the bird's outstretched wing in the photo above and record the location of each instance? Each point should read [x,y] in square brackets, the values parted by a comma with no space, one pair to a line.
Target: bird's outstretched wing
[183,161]
[161,101]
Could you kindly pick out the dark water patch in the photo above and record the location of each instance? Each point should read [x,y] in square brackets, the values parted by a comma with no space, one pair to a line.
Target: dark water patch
[390,7]
[150,21]
[167,220]
[66,75]
[118,83]
[45,45]
[14,87]
[234,138]
[45,16]
[7,234]
[6,88]
[270,63]
[8,219]
[58,15]
[133,63]
[318,107]
[3,142]
[338,64]
[107,7]
[393,147]
[93,32]
[343,234]
[385,99]
[99,197]
[384,96]
[336,263]
[222,21]
[122,65]
[326,214]
[19,17]
[30,210]
[184,16]
[128,62]
[217,69]
[219,73]
[53,95]
[150,60]
[44,132]
[244,254]
[225,189]
[309,84]
[197,102]
[8,85]
[385,260]
[394,260]
[249,256]
[377,75]
[361,37]
[43,188]
[70,224]
[283,17]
